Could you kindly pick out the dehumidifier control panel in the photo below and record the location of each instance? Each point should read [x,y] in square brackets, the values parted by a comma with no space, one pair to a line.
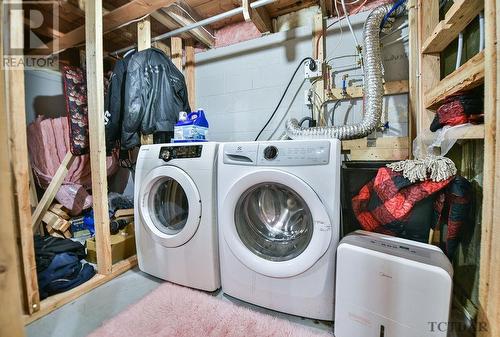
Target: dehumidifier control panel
[168,153]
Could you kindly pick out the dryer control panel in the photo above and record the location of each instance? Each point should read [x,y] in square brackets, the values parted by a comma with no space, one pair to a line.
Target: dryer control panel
[168,153]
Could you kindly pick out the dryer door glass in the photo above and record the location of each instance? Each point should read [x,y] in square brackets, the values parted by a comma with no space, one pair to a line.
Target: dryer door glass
[273,221]
[170,206]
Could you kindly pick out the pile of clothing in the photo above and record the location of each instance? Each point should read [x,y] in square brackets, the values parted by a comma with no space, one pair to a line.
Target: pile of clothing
[398,205]
[459,109]
[58,265]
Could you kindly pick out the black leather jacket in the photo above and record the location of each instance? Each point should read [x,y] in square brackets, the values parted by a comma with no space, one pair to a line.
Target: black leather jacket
[155,93]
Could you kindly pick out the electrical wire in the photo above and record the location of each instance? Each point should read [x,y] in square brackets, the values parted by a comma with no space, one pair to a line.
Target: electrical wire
[332,113]
[350,2]
[395,30]
[402,38]
[283,95]
[392,10]
[346,15]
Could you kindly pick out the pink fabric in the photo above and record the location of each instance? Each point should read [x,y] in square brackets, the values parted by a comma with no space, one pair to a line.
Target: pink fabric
[48,143]
[171,310]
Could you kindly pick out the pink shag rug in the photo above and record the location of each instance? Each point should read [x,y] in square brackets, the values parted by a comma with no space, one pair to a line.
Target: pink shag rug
[171,310]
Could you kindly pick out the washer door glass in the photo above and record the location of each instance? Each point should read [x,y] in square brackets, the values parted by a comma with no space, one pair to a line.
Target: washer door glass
[170,206]
[273,221]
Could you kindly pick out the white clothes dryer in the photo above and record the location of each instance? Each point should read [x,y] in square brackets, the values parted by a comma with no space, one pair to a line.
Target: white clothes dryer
[176,230]
[279,224]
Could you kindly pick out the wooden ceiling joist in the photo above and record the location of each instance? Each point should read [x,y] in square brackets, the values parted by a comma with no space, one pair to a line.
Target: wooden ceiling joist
[259,16]
[44,30]
[181,14]
[112,20]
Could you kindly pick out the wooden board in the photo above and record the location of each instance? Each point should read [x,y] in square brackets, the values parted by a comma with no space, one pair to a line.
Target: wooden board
[10,318]
[176,49]
[390,88]
[144,42]
[489,276]
[429,64]
[189,73]
[124,212]
[458,17]
[181,14]
[468,76]
[319,53]
[52,189]
[382,148]
[413,70]
[56,301]
[20,166]
[60,211]
[112,20]
[259,17]
[95,100]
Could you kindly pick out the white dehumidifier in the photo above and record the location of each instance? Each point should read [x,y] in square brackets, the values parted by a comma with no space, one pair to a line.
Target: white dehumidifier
[391,287]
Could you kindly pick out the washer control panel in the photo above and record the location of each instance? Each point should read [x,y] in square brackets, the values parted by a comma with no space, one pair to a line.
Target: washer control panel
[168,153]
[293,153]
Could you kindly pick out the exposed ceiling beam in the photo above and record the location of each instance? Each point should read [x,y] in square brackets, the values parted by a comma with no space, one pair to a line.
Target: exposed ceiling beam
[181,14]
[69,7]
[112,20]
[168,22]
[259,16]
[327,7]
[44,30]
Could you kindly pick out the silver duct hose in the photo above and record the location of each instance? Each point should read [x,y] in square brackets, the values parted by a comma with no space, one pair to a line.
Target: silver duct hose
[374,89]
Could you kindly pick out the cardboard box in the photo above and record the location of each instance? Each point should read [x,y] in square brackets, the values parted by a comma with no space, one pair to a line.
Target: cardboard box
[122,245]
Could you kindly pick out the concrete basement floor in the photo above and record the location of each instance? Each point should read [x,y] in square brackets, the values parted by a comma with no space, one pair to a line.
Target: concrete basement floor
[88,312]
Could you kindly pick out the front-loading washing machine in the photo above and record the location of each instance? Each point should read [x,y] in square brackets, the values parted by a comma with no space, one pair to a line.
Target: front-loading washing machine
[279,224]
[175,213]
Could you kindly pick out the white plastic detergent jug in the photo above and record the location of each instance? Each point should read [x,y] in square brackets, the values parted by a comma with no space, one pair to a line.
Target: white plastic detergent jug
[191,127]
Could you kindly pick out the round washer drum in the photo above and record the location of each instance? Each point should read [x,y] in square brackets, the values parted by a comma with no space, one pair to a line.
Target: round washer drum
[170,206]
[274,223]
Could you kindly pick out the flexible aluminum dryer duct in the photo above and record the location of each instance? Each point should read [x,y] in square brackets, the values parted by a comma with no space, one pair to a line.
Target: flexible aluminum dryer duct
[374,89]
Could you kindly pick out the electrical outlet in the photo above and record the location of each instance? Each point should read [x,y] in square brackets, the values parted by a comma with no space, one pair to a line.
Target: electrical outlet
[308,73]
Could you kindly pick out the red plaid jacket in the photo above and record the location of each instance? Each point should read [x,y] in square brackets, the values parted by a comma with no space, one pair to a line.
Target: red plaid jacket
[385,205]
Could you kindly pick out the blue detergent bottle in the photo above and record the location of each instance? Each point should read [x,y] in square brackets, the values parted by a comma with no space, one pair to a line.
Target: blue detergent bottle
[192,127]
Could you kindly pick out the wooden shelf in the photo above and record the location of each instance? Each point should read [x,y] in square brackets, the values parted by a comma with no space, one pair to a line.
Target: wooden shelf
[461,13]
[466,132]
[53,302]
[460,133]
[468,76]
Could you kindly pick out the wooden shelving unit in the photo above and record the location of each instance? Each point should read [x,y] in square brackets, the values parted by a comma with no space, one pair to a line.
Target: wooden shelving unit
[433,37]
[466,77]
[461,13]
[13,113]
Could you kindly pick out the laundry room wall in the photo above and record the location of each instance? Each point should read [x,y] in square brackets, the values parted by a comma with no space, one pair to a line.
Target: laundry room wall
[240,85]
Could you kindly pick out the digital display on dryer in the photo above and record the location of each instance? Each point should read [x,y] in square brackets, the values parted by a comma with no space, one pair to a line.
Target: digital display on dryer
[180,152]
